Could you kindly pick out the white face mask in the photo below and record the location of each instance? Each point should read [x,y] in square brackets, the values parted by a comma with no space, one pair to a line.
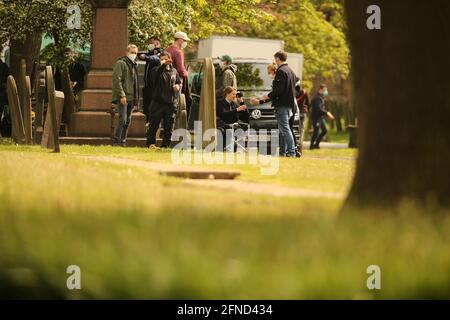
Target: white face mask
[151,47]
[184,45]
[132,56]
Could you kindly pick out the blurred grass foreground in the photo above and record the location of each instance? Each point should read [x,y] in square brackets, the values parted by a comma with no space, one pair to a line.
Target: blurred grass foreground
[138,235]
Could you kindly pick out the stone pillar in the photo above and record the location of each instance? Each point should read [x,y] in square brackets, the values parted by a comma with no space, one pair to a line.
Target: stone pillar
[109,42]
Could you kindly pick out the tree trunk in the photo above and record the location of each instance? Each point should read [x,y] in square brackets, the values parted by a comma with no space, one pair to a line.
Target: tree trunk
[28,50]
[402,97]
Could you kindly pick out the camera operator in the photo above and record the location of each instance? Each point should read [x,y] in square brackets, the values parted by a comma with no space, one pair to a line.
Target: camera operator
[151,59]
[228,111]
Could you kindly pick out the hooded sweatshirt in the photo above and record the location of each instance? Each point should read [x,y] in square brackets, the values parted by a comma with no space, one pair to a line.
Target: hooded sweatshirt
[226,79]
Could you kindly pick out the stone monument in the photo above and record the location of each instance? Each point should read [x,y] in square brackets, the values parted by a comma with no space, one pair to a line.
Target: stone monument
[109,42]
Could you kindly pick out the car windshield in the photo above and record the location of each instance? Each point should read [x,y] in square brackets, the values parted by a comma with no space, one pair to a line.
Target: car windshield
[253,77]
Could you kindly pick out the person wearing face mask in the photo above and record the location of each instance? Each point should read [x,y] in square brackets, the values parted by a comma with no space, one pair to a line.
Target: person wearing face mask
[227,113]
[151,59]
[318,115]
[228,76]
[125,91]
[167,85]
[176,50]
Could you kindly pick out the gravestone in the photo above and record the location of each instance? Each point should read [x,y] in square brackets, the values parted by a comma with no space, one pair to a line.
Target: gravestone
[181,118]
[50,138]
[39,95]
[18,130]
[208,100]
[25,102]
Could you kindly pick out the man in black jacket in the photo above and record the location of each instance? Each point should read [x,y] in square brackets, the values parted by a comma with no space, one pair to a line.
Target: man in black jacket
[151,59]
[283,100]
[318,115]
[166,84]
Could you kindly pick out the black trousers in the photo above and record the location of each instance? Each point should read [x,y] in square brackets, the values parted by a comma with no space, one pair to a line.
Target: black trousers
[167,117]
[147,99]
[318,124]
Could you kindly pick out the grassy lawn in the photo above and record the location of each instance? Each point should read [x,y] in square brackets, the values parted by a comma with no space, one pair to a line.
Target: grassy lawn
[136,234]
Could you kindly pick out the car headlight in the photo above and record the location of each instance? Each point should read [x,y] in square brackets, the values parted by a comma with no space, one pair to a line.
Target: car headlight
[256,114]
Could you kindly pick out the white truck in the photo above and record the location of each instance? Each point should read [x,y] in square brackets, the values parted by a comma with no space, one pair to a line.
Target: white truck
[241,48]
[251,56]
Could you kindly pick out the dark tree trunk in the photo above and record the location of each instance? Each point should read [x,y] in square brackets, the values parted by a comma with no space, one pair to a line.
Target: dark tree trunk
[28,50]
[402,96]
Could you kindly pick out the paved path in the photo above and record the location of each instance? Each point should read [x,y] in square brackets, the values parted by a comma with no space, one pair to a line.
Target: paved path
[228,185]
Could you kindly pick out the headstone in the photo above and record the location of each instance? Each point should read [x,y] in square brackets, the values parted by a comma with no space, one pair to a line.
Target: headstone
[50,138]
[208,100]
[18,131]
[39,94]
[181,118]
[25,102]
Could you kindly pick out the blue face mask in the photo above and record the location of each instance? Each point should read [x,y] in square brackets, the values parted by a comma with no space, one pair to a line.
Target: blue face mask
[325,94]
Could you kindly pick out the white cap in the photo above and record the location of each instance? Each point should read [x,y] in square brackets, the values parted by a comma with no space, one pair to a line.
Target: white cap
[181,35]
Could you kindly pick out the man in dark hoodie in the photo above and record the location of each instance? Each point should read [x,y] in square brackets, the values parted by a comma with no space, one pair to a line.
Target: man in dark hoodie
[166,84]
[151,59]
[125,91]
[228,76]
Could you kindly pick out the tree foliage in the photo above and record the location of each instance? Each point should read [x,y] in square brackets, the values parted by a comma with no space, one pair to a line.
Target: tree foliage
[199,18]
[315,28]
[20,18]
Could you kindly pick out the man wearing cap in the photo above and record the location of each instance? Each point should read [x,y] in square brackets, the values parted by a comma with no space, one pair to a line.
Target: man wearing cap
[176,51]
[228,76]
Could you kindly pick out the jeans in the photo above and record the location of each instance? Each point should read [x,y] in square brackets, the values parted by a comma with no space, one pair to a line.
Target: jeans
[291,126]
[287,147]
[120,135]
[316,138]
[301,130]
[167,116]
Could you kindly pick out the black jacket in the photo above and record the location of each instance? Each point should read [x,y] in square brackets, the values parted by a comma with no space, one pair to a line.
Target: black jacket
[226,112]
[283,88]
[318,107]
[162,82]
[151,61]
